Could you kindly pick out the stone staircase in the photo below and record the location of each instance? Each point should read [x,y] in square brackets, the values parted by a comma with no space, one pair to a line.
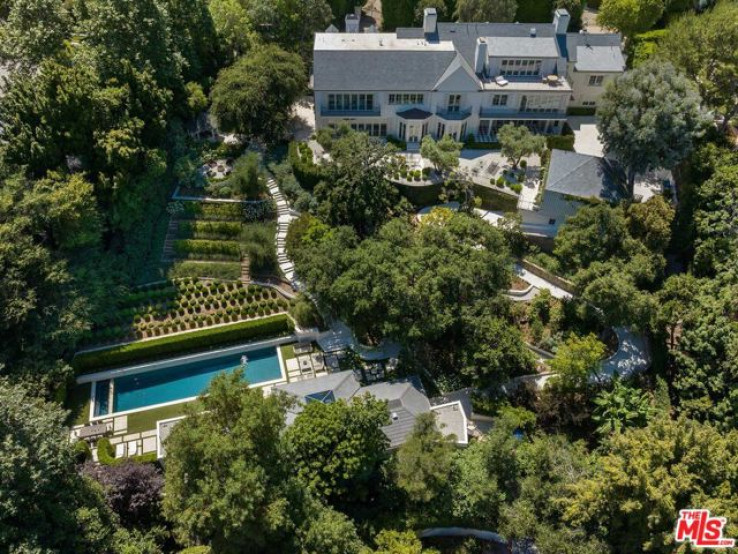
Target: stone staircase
[245,273]
[284,218]
[167,254]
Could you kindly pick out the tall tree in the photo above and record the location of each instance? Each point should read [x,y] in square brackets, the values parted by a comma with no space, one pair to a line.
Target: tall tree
[645,476]
[194,37]
[227,483]
[47,505]
[444,154]
[649,118]
[339,448]
[33,30]
[578,360]
[356,191]
[702,47]
[517,142]
[424,461]
[630,17]
[499,11]
[326,531]
[254,96]
[650,222]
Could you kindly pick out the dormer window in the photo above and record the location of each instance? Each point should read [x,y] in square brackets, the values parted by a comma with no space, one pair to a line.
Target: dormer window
[520,67]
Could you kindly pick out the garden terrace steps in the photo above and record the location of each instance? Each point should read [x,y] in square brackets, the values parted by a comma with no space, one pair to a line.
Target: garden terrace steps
[167,254]
[245,273]
[284,218]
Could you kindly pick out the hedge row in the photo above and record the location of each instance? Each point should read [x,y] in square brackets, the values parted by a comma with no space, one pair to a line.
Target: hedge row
[199,228]
[217,270]
[207,248]
[228,211]
[307,173]
[180,344]
[560,142]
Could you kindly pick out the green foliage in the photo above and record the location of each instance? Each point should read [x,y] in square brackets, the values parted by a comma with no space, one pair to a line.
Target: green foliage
[643,46]
[621,408]
[516,142]
[32,30]
[578,360]
[356,191]
[400,13]
[209,229]
[258,244]
[534,11]
[499,11]
[82,452]
[254,96]
[649,117]
[47,504]
[701,47]
[246,177]
[242,331]
[305,313]
[306,171]
[560,142]
[338,448]
[330,532]
[630,17]
[444,154]
[220,211]
[207,249]
[644,476]
[424,461]
[399,542]
[224,465]
[105,451]
[575,9]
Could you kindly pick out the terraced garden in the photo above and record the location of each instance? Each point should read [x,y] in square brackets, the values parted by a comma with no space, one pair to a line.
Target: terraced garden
[221,240]
[172,306]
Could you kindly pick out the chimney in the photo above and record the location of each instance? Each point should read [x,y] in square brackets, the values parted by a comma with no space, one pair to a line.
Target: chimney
[430,19]
[480,58]
[352,23]
[561,21]
[532,31]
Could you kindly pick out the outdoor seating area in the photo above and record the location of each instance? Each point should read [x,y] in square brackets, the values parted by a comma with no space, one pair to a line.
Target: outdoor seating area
[307,363]
[217,169]
[115,429]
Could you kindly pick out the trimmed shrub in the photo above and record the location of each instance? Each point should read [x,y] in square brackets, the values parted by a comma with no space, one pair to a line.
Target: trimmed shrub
[105,452]
[221,211]
[208,249]
[560,142]
[198,340]
[82,452]
[307,173]
[209,229]
[517,187]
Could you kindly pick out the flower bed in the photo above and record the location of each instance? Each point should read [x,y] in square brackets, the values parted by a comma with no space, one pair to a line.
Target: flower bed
[182,305]
[180,344]
[207,249]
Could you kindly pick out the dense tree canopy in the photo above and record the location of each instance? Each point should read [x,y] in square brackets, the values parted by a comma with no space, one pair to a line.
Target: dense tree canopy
[254,96]
[630,16]
[702,47]
[649,118]
[500,11]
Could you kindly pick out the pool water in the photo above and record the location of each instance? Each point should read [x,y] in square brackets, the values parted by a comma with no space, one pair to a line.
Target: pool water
[190,379]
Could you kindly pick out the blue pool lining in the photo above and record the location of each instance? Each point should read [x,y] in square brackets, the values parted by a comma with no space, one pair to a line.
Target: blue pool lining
[162,364]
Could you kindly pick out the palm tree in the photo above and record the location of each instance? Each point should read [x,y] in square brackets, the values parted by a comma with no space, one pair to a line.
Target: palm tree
[621,408]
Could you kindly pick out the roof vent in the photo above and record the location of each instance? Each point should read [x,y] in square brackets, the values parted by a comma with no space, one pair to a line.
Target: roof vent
[395,417]
[532,31]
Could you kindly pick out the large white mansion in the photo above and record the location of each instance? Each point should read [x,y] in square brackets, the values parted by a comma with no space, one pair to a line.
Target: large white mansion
[460,78]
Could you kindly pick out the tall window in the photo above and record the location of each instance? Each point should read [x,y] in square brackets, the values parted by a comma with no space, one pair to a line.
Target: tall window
[520,67]
[351,102]
[440,130]
[541,103]
[454,103]
[596,80]
[499,100]
[402,99]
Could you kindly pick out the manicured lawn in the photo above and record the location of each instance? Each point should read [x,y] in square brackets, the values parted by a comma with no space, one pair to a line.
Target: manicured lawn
[146,420]
[78,404]
[287,351]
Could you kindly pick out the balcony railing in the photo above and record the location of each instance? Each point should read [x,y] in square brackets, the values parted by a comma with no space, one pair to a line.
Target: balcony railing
[326,112]
[454,115]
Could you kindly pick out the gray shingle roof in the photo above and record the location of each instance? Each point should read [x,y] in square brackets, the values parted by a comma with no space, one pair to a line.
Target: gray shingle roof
[397,70]
[523,47]
[344,384]
[585,176]
[599,58]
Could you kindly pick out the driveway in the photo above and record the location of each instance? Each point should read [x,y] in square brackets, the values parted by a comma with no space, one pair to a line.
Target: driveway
[586,136]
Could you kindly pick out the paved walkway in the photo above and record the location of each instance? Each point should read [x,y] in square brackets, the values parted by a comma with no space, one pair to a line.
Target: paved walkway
[284,218]
[538,282]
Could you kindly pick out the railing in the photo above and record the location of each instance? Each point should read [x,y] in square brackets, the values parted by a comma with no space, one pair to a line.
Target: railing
[454,115]
[349,113]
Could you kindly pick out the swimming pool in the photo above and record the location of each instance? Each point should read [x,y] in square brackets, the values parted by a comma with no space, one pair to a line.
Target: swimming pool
[182,381]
